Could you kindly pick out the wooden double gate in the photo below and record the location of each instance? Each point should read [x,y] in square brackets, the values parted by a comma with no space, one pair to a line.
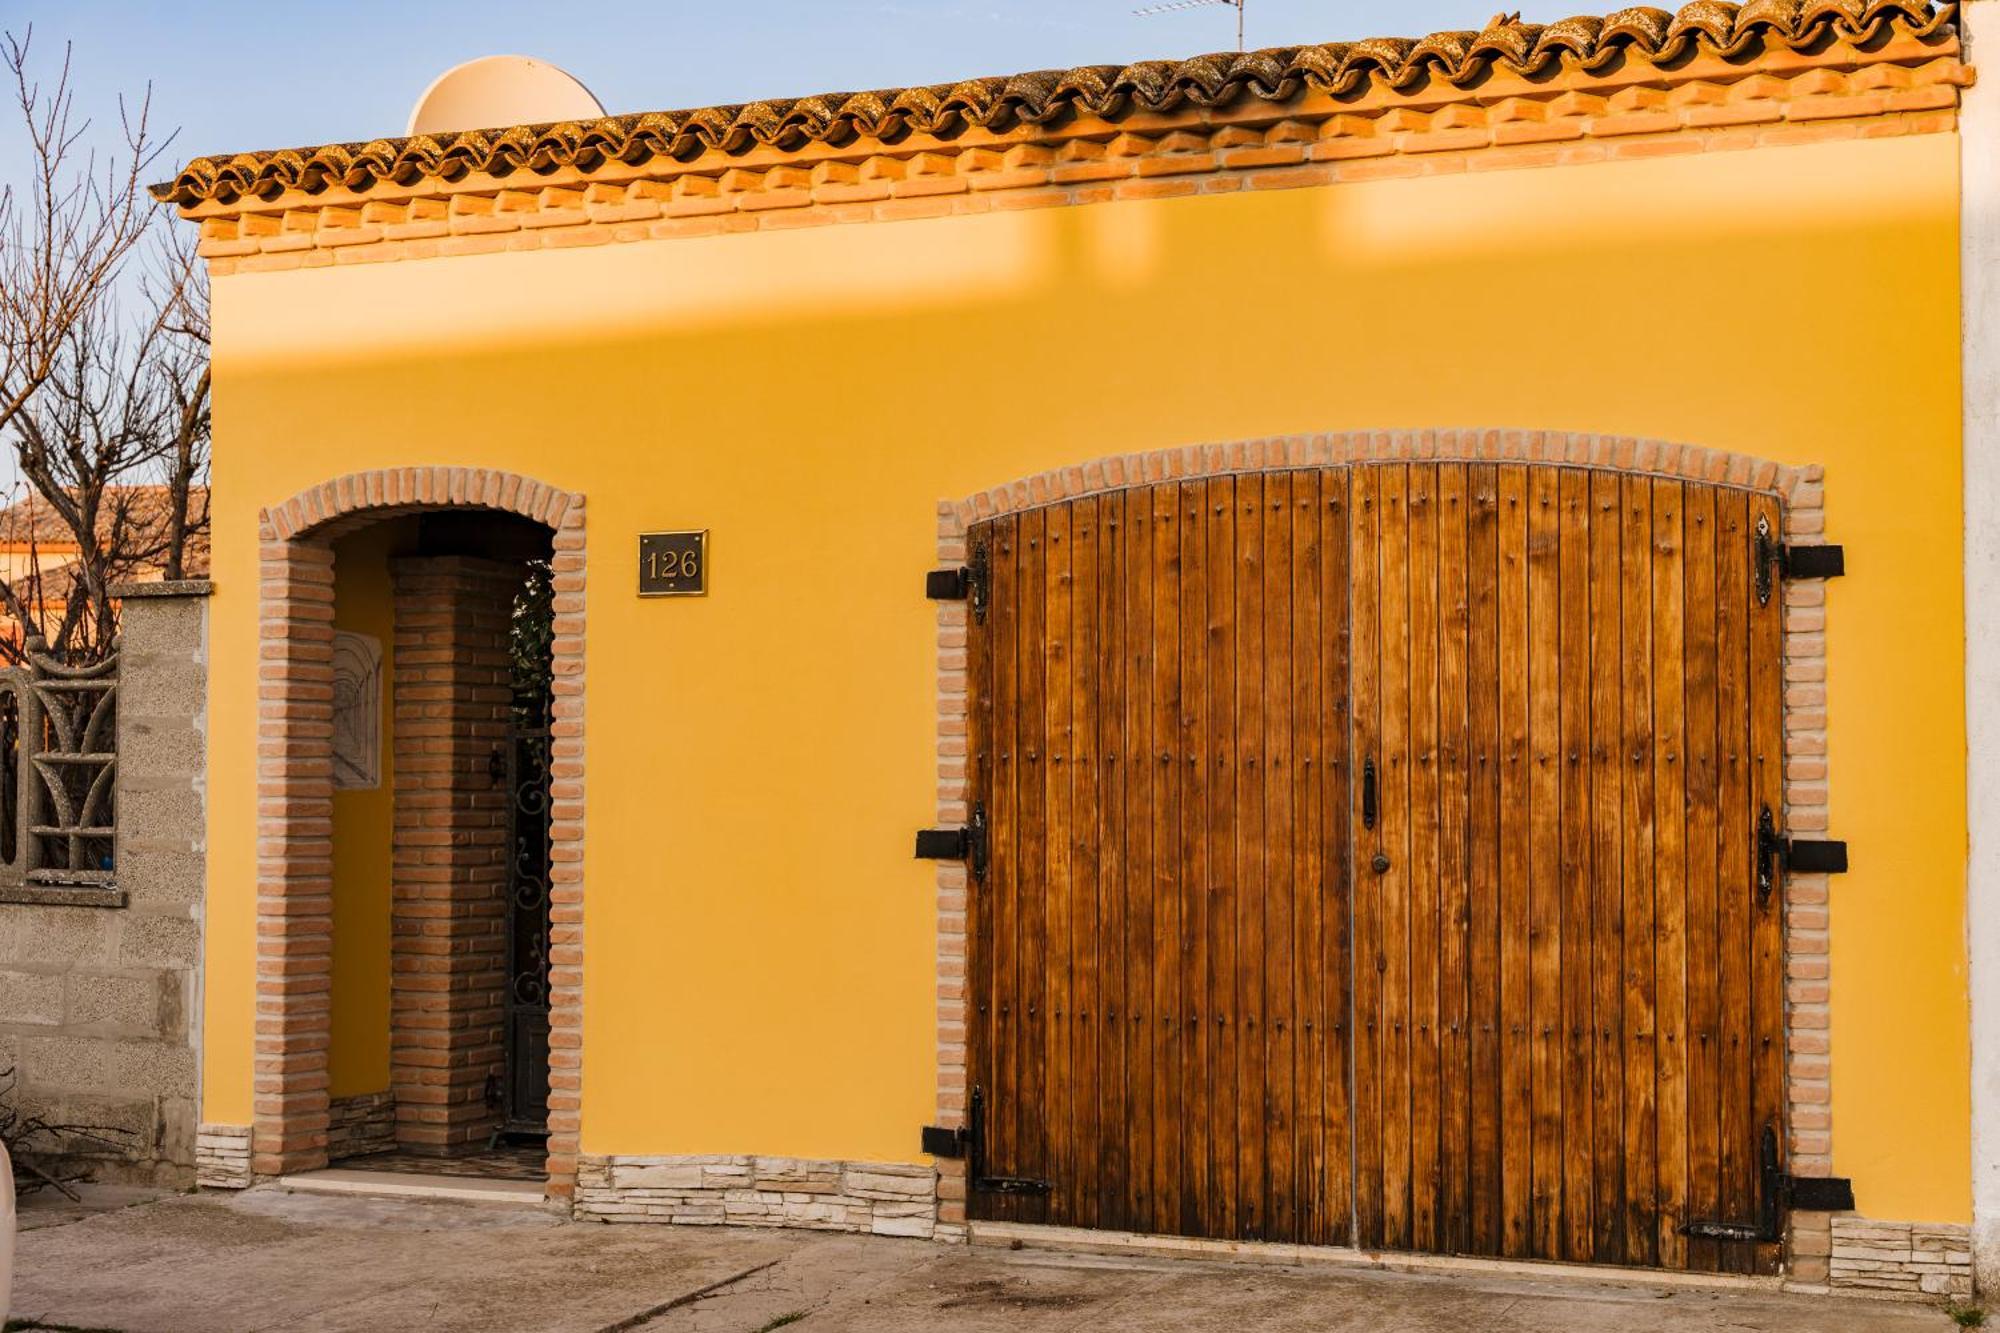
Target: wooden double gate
[1372,859]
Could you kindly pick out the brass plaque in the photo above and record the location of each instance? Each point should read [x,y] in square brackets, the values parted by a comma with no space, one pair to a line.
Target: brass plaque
[673,564]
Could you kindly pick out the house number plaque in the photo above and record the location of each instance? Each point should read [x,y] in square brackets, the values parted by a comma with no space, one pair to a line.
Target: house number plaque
[673,564]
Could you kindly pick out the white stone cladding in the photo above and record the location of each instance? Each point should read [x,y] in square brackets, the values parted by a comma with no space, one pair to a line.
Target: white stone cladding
[882,1199]
[1913,1259]
[222,1157]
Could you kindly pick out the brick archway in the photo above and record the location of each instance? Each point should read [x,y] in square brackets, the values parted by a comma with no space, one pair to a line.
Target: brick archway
[295,796]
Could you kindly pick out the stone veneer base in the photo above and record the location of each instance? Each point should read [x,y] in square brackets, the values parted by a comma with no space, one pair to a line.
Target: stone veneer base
[361,1126]
[876,1198]
[222,1157]
[1920,1260]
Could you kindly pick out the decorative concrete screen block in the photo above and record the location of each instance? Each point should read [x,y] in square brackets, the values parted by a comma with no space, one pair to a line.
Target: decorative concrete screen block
[884,1199]
[1907,1258]
[357,711]
[222,1157]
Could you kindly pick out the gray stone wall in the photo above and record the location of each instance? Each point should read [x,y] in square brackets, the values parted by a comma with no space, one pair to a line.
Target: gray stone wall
[98,1003]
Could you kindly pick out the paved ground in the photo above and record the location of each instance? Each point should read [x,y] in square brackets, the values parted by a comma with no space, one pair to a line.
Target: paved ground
[266,1260]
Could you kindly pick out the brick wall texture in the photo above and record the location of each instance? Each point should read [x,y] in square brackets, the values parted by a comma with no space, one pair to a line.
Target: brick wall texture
[97,1002]
[448,986]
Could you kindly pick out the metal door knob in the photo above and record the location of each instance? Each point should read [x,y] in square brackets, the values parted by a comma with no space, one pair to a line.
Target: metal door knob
[1380,864]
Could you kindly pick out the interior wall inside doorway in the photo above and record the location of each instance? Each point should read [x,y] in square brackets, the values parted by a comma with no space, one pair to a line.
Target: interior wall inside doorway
[363,822]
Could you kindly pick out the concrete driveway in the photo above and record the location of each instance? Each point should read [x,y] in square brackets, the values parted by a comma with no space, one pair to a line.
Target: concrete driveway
[270,1260]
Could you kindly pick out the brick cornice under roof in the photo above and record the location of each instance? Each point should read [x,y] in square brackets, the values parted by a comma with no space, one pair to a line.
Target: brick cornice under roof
[1547,54]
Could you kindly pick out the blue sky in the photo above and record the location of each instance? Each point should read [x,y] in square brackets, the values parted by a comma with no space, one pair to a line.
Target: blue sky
[244,74]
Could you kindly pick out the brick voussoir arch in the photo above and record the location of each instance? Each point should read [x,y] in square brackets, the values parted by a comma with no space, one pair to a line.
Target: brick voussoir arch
[1807,1071]
[1619,452]
[290,1115]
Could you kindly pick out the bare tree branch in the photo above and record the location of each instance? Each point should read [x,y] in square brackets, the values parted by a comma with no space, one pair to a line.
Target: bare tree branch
[104,378]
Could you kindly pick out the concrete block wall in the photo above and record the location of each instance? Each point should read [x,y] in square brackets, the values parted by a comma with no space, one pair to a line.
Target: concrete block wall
[99,993]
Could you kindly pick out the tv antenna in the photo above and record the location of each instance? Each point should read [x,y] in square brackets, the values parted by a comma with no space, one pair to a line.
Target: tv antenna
[1177,6]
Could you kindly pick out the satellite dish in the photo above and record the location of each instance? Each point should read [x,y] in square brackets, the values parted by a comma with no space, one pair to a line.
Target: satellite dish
[496,91]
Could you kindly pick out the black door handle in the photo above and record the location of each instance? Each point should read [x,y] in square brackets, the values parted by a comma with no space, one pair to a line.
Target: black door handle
[1368,793]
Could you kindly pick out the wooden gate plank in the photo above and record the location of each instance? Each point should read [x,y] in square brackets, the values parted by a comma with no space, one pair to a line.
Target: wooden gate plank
[1276,761]
[1221,1215]
[1366,704]
[1454,761]
[1545,888]
[1669,873]
[1113,1118]
[1767,780]
[1003,872]
[1517,1135]
[1139,864]
[1607,808]
[1077,1188]
[1704,1200]
[1423,855]
[1337,854]
[1391,890]
[1578,937]
[1483,670]
[1641,1125]
[1310,973]
[1190,761]
[1735,890]
[992,781]
[1168,882]
[1056,1115]
[1249,853]
[1024,1110]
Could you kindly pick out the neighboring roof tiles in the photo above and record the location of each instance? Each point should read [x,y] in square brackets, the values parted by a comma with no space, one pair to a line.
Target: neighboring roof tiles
[1587,45]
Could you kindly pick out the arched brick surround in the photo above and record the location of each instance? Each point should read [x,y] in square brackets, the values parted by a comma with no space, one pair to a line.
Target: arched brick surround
[295,796]
[1807,1071]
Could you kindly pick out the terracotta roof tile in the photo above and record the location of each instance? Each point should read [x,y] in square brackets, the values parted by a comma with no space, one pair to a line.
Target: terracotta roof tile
[143,508]
[1111,92]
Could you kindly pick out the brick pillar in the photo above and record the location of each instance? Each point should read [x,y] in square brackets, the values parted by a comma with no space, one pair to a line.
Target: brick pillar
[294,855]
[449,914]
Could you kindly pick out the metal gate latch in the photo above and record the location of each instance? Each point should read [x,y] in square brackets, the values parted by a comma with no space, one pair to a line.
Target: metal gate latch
[966,844]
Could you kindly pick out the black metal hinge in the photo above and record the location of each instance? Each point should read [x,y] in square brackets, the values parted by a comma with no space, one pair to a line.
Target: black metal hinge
[971,583]
[940,1141]
[1777,1194]
[975,1141]
[1773,557]
[966,844]
[1807,856]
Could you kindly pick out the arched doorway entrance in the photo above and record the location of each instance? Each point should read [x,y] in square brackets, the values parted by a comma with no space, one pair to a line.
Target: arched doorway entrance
[483,1021]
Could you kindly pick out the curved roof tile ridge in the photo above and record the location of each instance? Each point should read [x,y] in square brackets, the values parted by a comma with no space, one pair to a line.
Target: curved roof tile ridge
[1587,43]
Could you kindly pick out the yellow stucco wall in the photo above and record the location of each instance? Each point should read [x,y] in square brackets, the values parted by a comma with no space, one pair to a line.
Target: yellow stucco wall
[759,942]
[358,1061]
